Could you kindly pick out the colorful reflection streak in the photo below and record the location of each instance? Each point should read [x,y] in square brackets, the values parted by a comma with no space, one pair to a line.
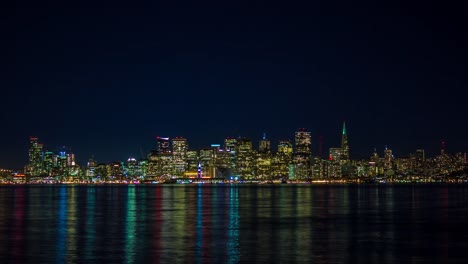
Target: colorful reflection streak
[233,254]
[130,226]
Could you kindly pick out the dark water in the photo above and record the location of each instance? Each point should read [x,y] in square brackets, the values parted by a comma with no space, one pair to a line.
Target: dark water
[232,224]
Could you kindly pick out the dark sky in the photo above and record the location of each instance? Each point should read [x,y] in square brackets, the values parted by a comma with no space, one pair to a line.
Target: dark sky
[105,78]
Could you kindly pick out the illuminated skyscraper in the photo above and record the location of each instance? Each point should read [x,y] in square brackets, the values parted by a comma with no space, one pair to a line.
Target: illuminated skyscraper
[230,144]
[50,162]
[245,158]
[264,145]
[163,145]
[303,142]
[91,168]
[179,153]
[206,161]
[71,159]
[34,167]
[192,160]
[132,169]
[302,155]
[388,158]
[344,145]
[282,160]
[230,147]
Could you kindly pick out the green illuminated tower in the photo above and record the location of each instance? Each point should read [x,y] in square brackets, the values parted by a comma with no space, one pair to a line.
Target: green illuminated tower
[344,145]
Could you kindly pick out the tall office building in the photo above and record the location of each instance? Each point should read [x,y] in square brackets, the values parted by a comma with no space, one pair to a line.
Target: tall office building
[132,169]
[192,160]
[245,158]
[344,145]
[71,159]
[91,168]
[34,167]
[302,155]
[179,153]
[230,144]
[206,161]
[282,160]
[264,145]
[163,145]
[388,158]
[285,149]
[230,147]
[303,141]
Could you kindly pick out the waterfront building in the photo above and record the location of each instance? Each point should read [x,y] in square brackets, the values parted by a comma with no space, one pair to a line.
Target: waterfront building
[179,153]
[318,168]
[34,167]
[280,166]
[206,161]
[264,145]
[163,145]
[115,171]
[333,169]
[91,168]
[302,155]
[263,166]
[143,163]
[49,163]
[153,166]
[192,161]
[388,158]
[132,168]
[230,147]
[245,160]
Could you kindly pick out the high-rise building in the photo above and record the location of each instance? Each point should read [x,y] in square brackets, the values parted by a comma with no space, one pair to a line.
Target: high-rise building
[388,158]
[206,161]
[132,169]
[34,167]
[192,160]
[230,144]
[230,147]
[282,160]
[50,162]
[71,159]
[344,145]
[179,153]
[91,168]
[163,145]
[263,160]
[245,158]
[302,155]
[264,145]
[303,141]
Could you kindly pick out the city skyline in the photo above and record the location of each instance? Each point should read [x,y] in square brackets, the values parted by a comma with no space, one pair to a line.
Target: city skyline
[237,160]
[316,146]
[105,78]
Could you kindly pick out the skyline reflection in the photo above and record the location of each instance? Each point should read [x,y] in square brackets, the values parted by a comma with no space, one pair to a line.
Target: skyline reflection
[180,224]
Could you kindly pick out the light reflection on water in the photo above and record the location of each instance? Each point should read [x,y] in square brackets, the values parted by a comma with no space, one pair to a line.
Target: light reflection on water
[233,224]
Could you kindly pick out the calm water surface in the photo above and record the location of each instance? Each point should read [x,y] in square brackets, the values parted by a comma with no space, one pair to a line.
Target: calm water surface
[234,224]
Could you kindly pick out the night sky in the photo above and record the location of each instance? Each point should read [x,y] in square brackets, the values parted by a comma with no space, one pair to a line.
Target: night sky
[105,78]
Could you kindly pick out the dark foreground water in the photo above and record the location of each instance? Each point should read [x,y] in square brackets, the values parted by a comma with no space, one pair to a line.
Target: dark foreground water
[232,224]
